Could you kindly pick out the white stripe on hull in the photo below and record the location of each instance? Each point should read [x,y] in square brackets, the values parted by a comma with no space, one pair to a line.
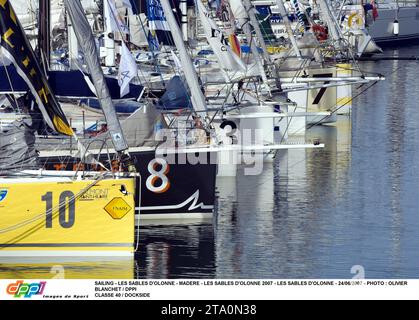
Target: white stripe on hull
[172,218]
[66,253]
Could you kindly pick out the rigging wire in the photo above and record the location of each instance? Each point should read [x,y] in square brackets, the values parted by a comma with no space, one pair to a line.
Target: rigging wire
[354,97]
[10,81]
[53,211]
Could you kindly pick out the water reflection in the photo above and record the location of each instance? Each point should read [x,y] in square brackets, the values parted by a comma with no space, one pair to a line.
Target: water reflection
[279,216]
[243,234]
[316,213]
[176,251]
[67,269]
[312,213]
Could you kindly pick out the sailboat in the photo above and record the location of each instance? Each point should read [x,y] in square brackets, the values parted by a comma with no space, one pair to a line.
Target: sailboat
[179,190]
[315,66]
[44,213]
[390,21]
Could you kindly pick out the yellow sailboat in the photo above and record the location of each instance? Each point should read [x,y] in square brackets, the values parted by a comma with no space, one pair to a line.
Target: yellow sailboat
[65,217]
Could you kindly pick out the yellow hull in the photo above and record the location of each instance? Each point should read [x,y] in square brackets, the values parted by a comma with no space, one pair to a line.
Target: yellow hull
[46,217]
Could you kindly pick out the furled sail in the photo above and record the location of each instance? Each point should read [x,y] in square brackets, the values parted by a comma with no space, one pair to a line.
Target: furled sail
[88,46]
[242,12]
[15,46]
[17,146]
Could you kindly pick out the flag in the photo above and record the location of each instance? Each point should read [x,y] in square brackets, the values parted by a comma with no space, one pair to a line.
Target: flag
[15,46]
[235,44]
[127,70]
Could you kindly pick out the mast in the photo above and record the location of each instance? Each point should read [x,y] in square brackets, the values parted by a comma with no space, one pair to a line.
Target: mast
[331,22]
[73,47]
[198,99]
[287,24]
[108,35]
[44,45]
[184,19]
[255,23]
[241,13]
[88,46]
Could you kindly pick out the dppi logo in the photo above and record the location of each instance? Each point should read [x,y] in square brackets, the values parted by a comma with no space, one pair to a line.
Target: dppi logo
[27,290]
[3,194]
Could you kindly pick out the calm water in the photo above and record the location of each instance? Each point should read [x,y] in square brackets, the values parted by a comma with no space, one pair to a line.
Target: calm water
[311,214]
[316,213]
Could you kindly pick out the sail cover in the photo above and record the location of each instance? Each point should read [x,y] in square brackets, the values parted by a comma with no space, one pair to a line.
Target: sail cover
[15,46]
[176,96]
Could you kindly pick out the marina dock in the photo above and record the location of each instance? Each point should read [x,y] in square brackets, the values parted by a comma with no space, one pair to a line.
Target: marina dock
[253,140]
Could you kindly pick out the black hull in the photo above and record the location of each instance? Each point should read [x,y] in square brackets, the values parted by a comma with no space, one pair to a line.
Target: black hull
[189,192]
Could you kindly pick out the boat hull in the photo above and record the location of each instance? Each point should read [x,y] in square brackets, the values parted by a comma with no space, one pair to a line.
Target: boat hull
[382,28]
[177,190]
[61,217]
